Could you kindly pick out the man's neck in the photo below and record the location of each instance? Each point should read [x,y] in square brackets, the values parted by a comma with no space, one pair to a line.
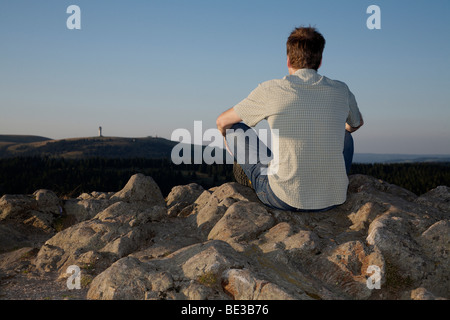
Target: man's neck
[292,71]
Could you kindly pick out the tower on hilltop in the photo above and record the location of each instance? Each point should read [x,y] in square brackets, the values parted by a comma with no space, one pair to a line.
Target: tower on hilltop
[100,131]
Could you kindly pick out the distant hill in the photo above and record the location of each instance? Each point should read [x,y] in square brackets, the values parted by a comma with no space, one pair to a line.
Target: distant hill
[148,147]
[13,139]
[398,158]
[106,147]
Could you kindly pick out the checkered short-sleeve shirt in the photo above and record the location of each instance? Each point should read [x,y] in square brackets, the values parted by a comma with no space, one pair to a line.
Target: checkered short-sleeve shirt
[310,112]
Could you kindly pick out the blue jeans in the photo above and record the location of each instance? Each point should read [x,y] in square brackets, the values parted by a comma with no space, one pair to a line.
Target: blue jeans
[260,182]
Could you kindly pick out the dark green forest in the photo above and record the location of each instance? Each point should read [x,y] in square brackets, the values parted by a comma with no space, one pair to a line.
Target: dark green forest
[71,177]
[418,177]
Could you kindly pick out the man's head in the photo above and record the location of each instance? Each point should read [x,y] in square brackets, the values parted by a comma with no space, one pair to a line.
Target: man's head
[304,48]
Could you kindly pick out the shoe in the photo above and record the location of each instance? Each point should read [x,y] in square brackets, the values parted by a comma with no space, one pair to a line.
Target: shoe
[240,176]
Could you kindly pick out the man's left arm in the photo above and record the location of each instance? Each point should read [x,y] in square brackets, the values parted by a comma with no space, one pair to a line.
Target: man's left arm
[351,129]
[226,120]
[354,119]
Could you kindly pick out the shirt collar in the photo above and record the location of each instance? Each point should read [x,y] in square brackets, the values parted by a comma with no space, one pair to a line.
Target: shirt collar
[305,76]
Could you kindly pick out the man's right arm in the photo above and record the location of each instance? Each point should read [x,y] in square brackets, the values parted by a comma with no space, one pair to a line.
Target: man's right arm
[226,120]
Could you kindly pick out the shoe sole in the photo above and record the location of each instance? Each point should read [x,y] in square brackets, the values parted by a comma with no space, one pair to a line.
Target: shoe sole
[240,176]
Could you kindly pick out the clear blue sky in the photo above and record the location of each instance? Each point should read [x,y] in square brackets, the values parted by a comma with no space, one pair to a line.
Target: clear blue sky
[140,68]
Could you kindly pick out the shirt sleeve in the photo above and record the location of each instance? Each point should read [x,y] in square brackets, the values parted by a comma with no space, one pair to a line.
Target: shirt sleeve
[354,116]
[253,109]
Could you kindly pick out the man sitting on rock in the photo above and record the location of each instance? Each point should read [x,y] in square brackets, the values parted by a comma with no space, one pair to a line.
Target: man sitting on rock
[313,116]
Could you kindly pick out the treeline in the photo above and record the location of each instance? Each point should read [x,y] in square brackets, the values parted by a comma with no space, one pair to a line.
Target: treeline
[71,177]
[416,177]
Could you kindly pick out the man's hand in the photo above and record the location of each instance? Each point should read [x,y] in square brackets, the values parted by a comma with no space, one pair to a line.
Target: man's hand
[226,120]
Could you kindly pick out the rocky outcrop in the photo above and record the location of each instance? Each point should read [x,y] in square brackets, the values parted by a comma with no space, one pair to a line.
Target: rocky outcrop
[222,243]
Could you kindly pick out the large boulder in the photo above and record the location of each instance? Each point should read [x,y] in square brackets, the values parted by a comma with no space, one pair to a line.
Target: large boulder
[186,194]
[243,220]
[28,220]
[170,277]
[115,232]
[38,210]
[438,198]
[140,188]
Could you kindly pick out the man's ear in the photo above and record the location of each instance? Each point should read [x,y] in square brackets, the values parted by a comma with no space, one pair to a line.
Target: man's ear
[288,62]
[320,64]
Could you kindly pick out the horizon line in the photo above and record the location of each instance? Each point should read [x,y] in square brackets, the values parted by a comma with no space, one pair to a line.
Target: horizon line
[161,137]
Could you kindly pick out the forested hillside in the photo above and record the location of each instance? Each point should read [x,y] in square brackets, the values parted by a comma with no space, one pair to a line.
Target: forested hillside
[71,177]
[416,177]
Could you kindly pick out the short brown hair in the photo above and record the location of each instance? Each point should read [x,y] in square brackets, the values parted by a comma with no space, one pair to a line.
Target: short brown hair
[305,47]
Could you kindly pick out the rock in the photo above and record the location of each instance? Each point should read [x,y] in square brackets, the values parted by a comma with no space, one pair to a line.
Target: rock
[362,218]
[211,212]
[407,240]
[85,209]
[241,284]
[37,211]
[184,194]
[438,198]
[202,264]
[346,268]
[294,243]
[242,221]
[126,279]
[235,191]
[10,238]
[15,206]
[177,208]
[117,231]
[46,199]
[140,188]
[394,228]
[214,258]
[203,198]
[95,195]
[40,220]
[17,260]
[14,236]
[435,244]
[384,242]
[437,240]
[361,183]
[423,294]
[211,205]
